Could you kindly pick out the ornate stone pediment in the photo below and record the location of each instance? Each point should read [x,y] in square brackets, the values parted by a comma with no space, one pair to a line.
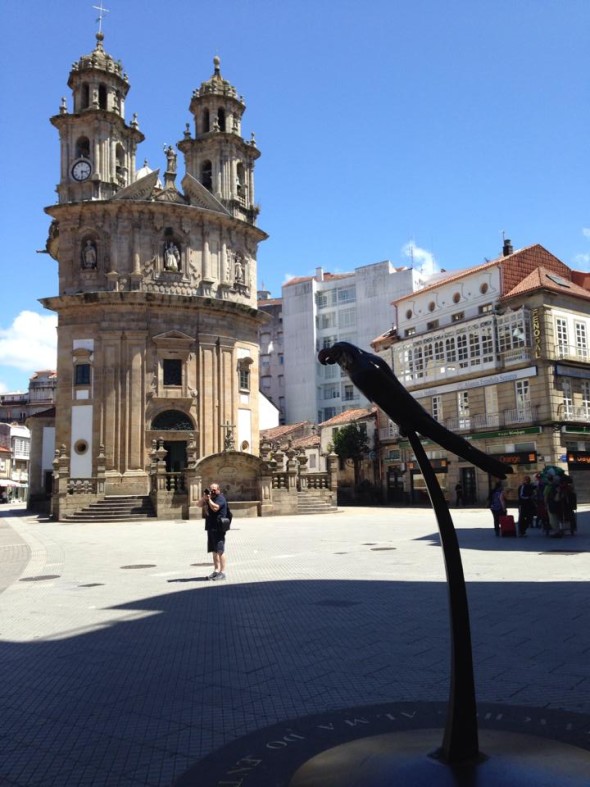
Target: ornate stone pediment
[171,195]
[200,196]
[142,189]
[173,339]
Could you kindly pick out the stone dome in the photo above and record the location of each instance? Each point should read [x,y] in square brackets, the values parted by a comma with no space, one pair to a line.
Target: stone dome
[99,60]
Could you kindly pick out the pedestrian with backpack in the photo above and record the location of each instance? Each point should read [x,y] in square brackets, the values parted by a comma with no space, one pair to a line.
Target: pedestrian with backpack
[217,522]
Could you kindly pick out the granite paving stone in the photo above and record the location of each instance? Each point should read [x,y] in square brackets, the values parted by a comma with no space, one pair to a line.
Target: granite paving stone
[119,676]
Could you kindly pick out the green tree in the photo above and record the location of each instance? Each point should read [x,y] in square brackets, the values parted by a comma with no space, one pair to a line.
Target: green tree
[351,442]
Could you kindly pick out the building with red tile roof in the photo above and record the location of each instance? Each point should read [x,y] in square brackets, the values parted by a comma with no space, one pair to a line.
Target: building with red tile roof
[500,353]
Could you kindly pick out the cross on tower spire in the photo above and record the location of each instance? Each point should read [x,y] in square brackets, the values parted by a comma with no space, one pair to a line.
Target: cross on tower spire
[101,12]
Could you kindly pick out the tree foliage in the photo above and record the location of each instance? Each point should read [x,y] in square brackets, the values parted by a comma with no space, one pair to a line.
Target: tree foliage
[351,442]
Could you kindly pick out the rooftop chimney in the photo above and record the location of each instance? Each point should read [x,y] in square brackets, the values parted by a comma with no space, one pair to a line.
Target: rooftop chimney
[319,274]
[507,247]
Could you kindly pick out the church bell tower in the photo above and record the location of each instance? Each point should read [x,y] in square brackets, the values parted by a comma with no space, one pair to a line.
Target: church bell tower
[97,146]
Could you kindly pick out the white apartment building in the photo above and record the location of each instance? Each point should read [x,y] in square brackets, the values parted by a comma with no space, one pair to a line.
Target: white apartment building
[270,338]
[318,311]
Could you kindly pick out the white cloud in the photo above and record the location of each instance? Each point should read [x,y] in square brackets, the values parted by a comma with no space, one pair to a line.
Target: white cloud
[30,343]
[287,277]
[586,232]
[422,259]
[583,260]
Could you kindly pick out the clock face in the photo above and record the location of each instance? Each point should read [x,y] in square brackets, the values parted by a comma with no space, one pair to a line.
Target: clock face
[81,170]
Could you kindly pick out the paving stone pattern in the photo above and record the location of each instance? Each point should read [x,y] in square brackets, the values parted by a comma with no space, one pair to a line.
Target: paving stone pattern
[115,675]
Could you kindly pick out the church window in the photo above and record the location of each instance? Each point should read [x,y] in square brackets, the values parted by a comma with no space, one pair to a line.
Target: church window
[221,118]
[80,447]
[172,368]
[244,379]
[172,421]
[82,374]
[207,175]
[82,147]
[206,126]
[240,180]
[85,96]
[244,374]
[102,96]
[120,167]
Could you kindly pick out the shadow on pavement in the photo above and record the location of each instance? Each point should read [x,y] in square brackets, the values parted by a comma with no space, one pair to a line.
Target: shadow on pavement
[140,700]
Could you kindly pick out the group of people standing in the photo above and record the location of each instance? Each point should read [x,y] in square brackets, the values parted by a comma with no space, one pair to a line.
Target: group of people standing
[549,503]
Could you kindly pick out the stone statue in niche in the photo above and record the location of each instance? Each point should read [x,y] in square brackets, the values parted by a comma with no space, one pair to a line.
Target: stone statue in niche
[89,255]
[172,257]
[239,270]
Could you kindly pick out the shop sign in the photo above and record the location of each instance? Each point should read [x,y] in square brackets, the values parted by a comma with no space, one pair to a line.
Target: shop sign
[578,460]
[438,465]
[488,435]
[537,333]
[507,433]
[576,429]
[518,458]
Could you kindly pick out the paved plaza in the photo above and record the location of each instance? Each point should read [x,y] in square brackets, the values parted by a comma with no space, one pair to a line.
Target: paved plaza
[122,665]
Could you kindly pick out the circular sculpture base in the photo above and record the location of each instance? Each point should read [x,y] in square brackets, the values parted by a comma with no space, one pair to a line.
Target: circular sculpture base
[402,760]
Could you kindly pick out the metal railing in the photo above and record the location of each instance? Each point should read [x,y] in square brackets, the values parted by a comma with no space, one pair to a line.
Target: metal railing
[526,414]
[570,352]
[566,412]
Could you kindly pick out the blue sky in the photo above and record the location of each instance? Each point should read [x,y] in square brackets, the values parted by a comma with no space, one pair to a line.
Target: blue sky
[383,125]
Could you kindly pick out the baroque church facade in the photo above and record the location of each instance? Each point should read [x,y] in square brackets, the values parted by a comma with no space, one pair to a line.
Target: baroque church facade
[157,304]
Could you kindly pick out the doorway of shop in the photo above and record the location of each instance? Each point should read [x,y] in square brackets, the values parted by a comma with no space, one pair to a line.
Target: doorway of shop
[468,484]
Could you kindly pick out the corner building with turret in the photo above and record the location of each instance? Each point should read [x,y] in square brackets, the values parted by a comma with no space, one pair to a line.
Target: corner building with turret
[157,305]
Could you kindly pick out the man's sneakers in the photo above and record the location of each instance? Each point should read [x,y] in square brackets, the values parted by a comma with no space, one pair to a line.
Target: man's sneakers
[218,575]
[213,575]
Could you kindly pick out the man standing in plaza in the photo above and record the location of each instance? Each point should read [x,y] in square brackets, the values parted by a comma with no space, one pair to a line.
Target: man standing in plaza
[215,506]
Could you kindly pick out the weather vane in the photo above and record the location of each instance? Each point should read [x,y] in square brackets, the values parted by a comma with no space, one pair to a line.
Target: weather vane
[101,12]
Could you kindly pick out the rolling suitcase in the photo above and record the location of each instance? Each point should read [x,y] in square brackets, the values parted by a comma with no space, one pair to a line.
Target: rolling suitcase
[507,526]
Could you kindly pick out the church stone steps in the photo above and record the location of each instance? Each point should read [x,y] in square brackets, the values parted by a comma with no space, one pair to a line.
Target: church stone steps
[115,509]
[311,505]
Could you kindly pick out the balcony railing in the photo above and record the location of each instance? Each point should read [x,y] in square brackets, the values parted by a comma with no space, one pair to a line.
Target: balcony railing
[389,433]
[518,355]
[567,412]
[570,352]
[520,415]
[525,414]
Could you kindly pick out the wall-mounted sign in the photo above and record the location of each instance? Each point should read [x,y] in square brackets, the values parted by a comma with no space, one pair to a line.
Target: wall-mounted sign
[578,460]
[438,465]
[518,458]
[537,333]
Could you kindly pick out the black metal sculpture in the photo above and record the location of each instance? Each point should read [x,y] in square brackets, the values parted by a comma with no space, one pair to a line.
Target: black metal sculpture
[374,378]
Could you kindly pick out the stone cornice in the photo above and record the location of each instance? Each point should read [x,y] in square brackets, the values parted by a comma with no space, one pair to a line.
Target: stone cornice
[130,300]
[65,210]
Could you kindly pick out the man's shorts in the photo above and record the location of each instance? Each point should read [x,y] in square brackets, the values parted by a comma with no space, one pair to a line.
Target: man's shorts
[216,541]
